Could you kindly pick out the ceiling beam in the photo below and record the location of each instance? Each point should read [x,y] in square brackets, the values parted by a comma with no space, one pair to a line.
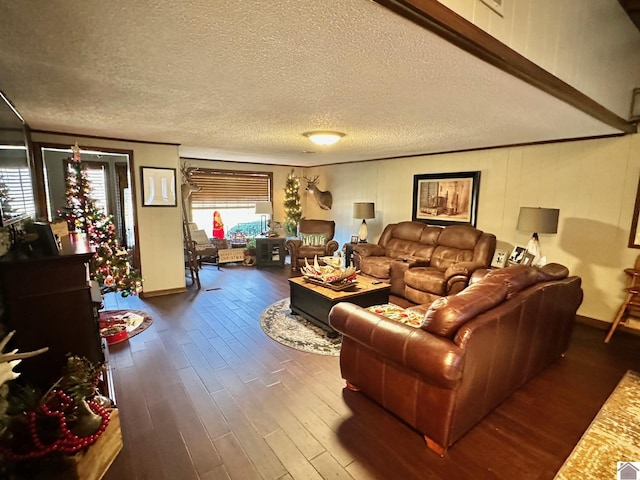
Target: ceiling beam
[435,17]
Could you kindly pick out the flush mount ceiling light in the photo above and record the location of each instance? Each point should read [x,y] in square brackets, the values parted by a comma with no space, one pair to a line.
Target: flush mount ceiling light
[324,137]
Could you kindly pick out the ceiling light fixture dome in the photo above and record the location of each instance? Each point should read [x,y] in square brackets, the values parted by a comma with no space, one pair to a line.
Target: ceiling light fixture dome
[324,137]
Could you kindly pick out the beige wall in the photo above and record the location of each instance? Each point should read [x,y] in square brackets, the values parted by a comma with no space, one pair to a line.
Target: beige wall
[592,182]
[159,229]
[592,45]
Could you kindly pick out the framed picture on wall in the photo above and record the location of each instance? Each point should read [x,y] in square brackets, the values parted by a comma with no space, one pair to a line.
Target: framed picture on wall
[158,187]
[446,198]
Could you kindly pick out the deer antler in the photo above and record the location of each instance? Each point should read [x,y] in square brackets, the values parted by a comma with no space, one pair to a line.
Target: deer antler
[186,171]
[9,360]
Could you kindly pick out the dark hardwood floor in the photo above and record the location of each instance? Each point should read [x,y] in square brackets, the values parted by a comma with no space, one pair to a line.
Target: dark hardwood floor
[204,394]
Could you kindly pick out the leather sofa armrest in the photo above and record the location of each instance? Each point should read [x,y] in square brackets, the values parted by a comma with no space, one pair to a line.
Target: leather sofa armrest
[330,247]
[436,359]
[462,268]
[369,250]
[293,245]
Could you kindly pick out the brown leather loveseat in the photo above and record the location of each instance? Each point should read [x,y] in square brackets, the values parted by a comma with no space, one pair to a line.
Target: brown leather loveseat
[472,351]
[424,262]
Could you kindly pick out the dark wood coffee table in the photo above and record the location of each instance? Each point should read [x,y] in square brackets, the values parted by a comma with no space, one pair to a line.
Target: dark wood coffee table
[314,302]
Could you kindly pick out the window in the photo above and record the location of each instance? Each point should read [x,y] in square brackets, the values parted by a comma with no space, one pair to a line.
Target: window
[16,181]
[234,195]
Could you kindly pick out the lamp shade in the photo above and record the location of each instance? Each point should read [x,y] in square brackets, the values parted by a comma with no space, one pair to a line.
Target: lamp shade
[264,208]
[364,210]
[538,220]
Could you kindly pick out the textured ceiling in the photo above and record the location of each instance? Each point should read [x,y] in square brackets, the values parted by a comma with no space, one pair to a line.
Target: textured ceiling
[242,80]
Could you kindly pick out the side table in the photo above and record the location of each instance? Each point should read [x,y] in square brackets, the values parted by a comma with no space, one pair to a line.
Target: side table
[348,254]
[270,251]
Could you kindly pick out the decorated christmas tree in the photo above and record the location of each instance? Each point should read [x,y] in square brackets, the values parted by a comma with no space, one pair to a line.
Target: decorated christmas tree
[292,209]
[5,199]
[110,266]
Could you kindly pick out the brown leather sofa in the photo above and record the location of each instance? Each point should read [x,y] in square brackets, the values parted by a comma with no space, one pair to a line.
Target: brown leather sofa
[315,239]
[473,350]
[424,262]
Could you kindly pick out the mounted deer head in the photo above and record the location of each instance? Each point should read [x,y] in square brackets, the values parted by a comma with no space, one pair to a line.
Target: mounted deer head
[324,199]
[188,185]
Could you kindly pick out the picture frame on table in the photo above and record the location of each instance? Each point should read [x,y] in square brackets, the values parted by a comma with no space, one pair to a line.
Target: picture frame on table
[355,239]
[499,259]
[158,187]
[446,198]
[517,255]
[527,259]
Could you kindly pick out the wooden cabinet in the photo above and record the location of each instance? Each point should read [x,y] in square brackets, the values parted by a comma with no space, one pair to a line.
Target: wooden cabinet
[270,251]
[48,302]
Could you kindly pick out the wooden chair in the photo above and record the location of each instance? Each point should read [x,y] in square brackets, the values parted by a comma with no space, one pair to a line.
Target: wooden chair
[631,301]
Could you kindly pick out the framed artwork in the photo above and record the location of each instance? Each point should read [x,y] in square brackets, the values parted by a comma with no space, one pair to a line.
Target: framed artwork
[446,198]
[517,255]
[158,187]
[355,239]
[499,259]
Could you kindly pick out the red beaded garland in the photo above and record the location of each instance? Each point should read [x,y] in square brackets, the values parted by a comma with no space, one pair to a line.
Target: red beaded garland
[68,442]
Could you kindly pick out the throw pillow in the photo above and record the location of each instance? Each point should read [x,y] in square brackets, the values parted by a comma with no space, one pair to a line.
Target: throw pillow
[313,239]
[200,237]
[399,314]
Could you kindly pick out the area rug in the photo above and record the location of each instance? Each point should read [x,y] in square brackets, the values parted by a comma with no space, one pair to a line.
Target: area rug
[132,322]
[291,330]
[612,437]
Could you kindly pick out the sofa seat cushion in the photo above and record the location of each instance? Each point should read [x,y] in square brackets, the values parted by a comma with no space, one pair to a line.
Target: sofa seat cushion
[378,267]
[399,314]
[426,279]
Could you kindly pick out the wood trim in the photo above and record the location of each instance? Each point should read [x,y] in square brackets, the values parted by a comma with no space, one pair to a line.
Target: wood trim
[159,293]
[435,17]
[605,326]
[464,150]
[634,221]
[99,137]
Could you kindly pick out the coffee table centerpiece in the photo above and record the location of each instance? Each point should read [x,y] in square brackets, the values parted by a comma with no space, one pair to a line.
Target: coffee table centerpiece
[329,276]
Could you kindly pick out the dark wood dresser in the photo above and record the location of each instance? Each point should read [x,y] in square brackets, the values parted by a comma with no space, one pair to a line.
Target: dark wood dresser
[48,302]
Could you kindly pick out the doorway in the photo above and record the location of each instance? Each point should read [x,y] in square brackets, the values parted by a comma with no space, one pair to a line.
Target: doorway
[109,174]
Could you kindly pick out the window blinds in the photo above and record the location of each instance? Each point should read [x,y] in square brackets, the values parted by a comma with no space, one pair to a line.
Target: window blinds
[17,181]
[230,189]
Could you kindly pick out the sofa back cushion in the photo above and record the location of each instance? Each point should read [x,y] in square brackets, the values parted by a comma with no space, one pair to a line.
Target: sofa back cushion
[325,227]
[404,240]
[455,244]
[447,314]
[515,277]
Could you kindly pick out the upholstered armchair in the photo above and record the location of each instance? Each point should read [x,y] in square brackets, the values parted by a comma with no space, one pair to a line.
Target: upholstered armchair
[315,237]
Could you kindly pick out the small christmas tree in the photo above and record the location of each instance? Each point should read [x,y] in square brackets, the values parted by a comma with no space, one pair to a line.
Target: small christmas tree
[110,266]
[5,199]
[292,209]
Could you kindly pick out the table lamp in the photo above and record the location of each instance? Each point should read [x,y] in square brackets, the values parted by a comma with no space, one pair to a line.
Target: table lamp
[537,220]
[263,209]
[363,210]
